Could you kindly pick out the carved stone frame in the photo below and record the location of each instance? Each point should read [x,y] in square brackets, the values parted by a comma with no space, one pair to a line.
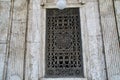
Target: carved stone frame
[43,38]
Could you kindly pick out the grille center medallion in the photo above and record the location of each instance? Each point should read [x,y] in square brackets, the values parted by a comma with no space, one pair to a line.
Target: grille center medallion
[63,40]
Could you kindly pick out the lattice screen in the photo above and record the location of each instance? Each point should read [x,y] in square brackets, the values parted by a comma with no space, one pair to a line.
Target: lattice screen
[63,43]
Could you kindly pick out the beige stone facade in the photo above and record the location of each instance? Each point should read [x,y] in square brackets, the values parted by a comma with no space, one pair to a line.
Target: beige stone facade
[22,38]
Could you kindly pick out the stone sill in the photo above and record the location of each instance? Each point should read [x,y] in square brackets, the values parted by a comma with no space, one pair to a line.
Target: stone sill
[63,78]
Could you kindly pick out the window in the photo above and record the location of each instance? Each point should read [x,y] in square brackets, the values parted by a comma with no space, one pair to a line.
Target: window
[63,56]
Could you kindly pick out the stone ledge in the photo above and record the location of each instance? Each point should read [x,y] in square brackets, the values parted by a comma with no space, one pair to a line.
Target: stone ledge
[63,78]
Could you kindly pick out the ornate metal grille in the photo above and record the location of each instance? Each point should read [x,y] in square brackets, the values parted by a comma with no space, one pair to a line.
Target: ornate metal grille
[63,43]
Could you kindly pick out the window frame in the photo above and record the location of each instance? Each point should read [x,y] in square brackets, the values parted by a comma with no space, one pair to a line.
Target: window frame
[43,38]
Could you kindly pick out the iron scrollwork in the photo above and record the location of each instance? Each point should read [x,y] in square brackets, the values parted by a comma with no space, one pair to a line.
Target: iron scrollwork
[63,43]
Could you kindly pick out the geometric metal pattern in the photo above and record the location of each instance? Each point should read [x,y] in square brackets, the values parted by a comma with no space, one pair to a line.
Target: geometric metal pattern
[63,43]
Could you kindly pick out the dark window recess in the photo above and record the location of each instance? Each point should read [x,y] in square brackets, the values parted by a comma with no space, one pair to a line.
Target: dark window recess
[63,43]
